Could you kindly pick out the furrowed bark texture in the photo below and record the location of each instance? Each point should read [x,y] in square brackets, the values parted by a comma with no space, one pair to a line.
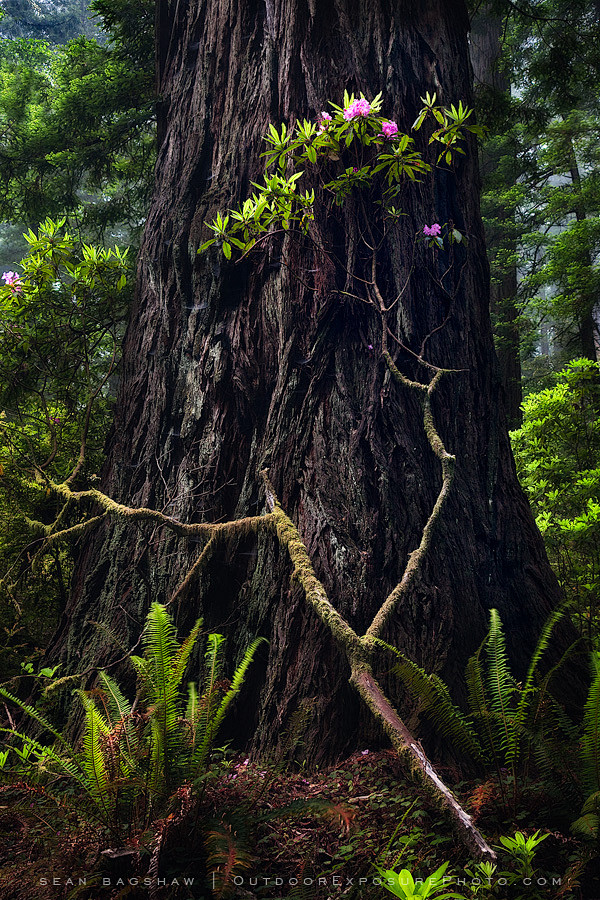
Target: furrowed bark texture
[231,369]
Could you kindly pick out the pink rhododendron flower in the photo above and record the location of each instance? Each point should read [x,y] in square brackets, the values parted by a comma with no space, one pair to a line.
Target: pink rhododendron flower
[389,129]
[432,231]
[358,108]
[12,280]
[324,120]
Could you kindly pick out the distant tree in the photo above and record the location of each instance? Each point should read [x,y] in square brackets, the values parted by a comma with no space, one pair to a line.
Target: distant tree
[61,323]
[498,167]
[57,21]
[77,122]
[542,197]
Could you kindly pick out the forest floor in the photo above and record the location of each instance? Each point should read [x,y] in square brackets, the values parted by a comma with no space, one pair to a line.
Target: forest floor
[259,832]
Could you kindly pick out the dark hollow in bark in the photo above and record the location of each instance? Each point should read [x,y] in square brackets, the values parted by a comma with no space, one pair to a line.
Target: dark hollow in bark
[229,369]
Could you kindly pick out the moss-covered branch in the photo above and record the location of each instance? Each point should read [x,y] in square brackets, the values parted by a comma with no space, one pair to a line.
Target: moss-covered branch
[246,525]
[49,536]
[357,651]
[447,460]
[193,571]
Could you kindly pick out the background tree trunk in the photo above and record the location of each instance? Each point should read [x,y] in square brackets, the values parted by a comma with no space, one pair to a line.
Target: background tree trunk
[229,369]
[487,32]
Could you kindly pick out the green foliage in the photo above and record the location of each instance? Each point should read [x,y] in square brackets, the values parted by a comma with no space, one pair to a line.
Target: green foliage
[557,451]
[486,879]
[402,884]
[350,150]
[61,322]
[507,720]
[77,126]
[134,756]
[522,850]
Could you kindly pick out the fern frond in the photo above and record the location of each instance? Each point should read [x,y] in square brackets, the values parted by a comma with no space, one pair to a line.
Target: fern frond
[436,703]
[161,651]
[476,693]
[543,642]
[34,714]
[239,676]
[69,767]
[592,803]
[183,653]
[118,713]
[479,702]
[94,763]
[228,854]
[545,682]
[192,709]
[209,704]
[501,685]
[552,737]
[529,690]
[590,741]
[141,669]
[213,662]
[118,706]
[291,737]
[212,725]
[587,826]
[557,722]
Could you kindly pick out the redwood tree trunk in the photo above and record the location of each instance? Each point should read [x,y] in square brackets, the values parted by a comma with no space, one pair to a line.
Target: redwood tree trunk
[229,369]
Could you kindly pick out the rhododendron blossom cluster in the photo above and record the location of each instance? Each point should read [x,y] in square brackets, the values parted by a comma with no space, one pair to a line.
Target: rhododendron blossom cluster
[12,280]
[356,149]
[358,108]
[324,120]
[389,130]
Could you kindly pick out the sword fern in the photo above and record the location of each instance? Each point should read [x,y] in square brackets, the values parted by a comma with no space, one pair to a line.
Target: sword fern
[506,719]
[134,755]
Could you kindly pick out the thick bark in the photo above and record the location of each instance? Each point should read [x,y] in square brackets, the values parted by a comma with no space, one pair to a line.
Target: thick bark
[229,370]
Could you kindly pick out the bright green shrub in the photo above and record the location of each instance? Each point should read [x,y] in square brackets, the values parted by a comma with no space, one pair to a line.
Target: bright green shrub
[557,451]
[62,317]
